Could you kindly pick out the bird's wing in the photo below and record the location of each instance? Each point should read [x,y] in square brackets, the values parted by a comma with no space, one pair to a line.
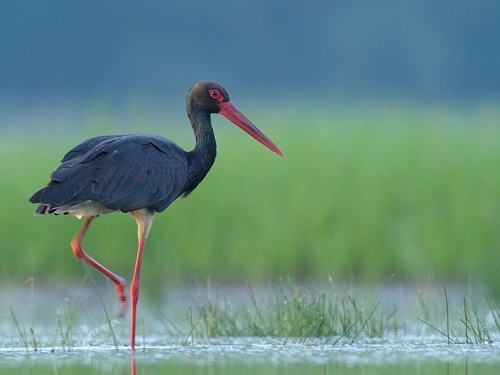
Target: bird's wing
[124,173]
[86,146]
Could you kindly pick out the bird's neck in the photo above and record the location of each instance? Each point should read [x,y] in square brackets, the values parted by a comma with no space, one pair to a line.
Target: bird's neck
[202,157]
[204,135]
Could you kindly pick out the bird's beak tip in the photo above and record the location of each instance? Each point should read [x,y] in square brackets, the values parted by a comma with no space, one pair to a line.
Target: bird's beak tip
[229,111]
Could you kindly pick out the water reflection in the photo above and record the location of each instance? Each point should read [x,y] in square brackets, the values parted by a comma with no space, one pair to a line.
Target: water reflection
[133,363]
[253,356]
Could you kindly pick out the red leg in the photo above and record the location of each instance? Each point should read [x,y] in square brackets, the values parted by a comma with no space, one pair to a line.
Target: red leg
[144,219]
[134,292]
[76,245]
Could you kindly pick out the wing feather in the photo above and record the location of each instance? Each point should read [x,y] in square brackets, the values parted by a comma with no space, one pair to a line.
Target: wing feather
[123,173]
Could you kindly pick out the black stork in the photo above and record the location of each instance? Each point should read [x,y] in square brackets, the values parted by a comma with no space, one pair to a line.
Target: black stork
[139,174]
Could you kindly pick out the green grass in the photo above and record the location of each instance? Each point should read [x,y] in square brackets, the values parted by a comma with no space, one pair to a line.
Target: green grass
[339,316]
[290,311]
[472,327]
[284,312]
[368,196]
[287,311]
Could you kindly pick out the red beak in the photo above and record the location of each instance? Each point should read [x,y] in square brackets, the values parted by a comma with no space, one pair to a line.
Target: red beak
[229,111]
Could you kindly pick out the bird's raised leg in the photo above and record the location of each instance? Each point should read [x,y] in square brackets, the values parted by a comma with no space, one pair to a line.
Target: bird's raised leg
[144,219]
[76,246]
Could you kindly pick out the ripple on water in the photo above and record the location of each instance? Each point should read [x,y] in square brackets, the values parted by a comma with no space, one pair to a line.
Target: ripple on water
[270,351]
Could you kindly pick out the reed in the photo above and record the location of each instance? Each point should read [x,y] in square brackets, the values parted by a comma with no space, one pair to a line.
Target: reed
[359,196]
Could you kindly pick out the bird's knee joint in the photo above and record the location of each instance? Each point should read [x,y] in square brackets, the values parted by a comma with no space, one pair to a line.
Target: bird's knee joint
[77,249]
[134,292]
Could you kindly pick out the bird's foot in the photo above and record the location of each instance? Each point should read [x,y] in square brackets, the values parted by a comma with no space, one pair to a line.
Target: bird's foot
[122,298]
[122,301]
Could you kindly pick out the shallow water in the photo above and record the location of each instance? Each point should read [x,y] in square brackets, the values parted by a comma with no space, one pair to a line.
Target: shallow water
[414,349]
[423,355]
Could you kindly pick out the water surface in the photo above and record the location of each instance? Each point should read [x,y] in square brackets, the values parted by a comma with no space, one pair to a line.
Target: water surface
[423,355]
[89,348]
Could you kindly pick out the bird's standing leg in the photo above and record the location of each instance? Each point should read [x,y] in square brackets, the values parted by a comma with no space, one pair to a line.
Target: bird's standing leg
[76,246]
[144,219]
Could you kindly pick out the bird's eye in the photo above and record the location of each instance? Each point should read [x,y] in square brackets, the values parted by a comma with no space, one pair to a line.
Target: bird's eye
[214,94]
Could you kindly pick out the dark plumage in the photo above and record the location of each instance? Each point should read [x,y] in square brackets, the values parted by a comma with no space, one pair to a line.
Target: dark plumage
[139,174]
[123,172]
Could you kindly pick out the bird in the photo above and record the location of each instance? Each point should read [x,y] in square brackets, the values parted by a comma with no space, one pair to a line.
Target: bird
[138,174]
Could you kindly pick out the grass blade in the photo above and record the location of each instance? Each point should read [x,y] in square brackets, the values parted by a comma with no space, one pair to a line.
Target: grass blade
[102,303]
[21,333]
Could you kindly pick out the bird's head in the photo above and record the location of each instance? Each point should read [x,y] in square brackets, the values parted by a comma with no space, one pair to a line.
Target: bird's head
[206,95]
[210,97]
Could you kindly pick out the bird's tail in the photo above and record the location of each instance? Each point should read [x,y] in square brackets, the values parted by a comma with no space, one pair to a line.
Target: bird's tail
[44,209]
